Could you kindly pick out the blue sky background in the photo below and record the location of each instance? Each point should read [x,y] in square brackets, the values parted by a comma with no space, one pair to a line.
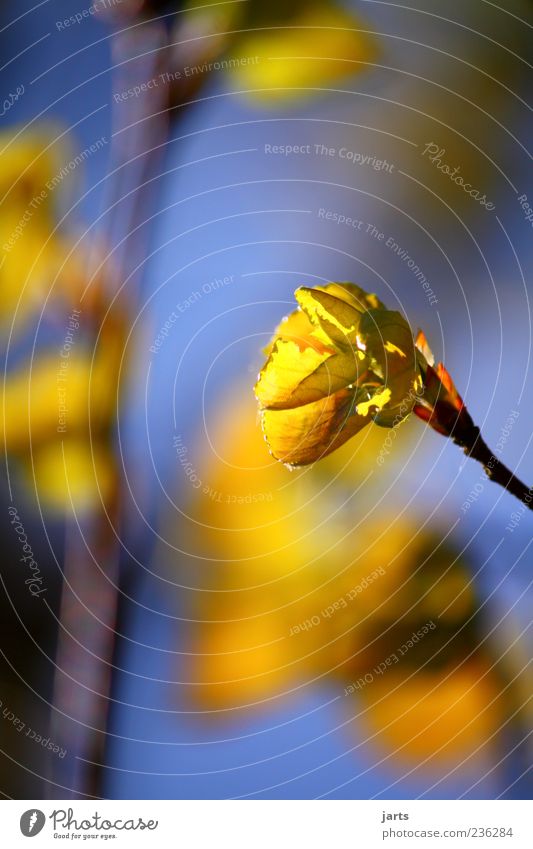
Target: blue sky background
[224,208]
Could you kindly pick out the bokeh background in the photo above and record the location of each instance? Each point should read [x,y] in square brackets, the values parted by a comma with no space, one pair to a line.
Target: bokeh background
[193,620]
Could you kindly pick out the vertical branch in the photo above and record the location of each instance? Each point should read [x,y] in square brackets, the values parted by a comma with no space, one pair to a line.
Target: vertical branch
[91,591]
[91,578]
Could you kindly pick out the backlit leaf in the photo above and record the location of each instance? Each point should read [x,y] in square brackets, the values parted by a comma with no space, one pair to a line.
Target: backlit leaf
[305,434]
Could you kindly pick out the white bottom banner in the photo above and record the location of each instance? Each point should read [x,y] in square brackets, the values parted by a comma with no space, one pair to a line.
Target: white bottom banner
[267,824]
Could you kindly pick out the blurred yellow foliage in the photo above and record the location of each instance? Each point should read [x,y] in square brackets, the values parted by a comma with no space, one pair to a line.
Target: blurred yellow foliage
[73,475]
[34,400]
[279,53]
[307,53]
[58,409]
[57,420]
[36,260]
[446,714]
[303,581]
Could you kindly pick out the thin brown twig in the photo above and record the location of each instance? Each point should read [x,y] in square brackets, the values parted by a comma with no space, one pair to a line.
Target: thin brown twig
[473,444]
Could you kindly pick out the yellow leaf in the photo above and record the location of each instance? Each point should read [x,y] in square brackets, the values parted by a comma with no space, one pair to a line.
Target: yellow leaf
[389,345]
[297,327]
[377,401]
[280,381]
[293,377]
[337,317]
[353,295]
[344,339]
[305,434]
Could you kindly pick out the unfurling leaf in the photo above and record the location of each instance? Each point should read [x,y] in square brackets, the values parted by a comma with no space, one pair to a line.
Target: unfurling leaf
[338,362]
[343,360]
